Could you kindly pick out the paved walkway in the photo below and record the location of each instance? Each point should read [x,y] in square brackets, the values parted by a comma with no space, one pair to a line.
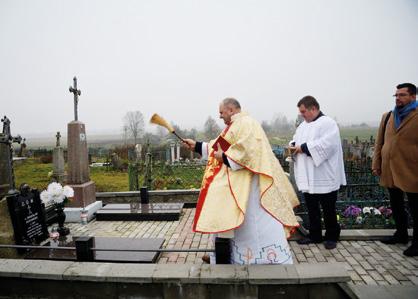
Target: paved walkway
[368,262]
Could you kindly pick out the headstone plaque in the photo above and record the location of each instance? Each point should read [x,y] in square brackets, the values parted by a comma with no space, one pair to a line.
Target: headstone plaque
[27,215]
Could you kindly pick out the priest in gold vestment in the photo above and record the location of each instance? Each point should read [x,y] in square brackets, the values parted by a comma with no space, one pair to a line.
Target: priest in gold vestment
[245,194]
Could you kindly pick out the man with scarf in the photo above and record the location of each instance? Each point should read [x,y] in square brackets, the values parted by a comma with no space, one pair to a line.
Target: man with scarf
[245,194]
[395,160]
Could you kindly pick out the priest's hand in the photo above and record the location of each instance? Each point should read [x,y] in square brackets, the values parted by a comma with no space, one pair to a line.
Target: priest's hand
[190,144]
[218,153]
[296,150]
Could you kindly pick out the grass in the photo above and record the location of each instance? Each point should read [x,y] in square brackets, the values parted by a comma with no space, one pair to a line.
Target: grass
[35,174]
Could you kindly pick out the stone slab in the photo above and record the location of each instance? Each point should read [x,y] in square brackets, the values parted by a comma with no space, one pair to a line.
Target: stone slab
[273,274]
[73,214]
[322,273]
[87,271]
[223,274]
[12,268]
[171,273]
[84,194]
[45,270]
[385,292]
[140,212]
[131,273]
[105,256]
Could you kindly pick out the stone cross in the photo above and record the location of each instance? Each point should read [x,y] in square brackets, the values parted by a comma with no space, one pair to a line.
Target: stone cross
[6,125]
[7,182]
[76,93]
[58,138]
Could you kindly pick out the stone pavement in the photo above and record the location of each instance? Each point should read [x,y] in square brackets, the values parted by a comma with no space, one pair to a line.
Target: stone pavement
[367,262]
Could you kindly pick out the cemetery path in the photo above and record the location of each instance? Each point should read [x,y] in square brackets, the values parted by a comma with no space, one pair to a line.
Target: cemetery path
[367,262]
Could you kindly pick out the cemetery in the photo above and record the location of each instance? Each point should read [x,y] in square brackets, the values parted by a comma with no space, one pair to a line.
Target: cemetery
[137,241]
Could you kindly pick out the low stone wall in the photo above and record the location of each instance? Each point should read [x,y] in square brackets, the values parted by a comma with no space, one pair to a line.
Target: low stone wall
[185,196]
[33,279]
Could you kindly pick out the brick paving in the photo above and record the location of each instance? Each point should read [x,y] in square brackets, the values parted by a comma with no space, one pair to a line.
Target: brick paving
[367,262]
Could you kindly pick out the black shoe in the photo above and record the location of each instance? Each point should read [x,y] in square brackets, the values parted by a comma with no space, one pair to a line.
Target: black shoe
[394,240]
[306,241]
[411,251]
[330,245]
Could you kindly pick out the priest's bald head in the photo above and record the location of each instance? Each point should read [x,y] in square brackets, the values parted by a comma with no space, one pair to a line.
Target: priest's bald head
[227,108]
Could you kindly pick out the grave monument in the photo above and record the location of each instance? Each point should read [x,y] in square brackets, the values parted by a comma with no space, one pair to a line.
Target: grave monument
[78,176]
[58,161]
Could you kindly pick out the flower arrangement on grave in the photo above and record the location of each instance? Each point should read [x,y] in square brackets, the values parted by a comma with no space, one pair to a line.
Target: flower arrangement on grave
[367,216]
[57,195]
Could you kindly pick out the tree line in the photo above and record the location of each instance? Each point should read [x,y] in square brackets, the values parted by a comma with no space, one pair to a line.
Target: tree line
[133,129]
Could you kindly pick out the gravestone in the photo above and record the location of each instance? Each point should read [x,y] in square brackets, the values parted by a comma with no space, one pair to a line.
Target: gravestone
[116,163]
[78,164]
[22,151]
[138,153]
[58,161]
[27,217]
[7,183]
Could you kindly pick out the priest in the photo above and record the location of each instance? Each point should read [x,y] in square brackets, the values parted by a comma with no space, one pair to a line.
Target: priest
[245,194]
[319,170]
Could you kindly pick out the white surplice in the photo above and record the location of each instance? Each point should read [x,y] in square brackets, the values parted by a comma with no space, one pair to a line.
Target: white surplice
[323,172]
[261,239]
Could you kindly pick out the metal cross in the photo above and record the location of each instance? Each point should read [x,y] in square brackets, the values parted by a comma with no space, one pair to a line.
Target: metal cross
[76,93]
[58,138]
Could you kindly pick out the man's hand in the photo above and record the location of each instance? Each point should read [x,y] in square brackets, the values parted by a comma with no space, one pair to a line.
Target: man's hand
[190,144]
[218,153]
[376,172]
[295,150]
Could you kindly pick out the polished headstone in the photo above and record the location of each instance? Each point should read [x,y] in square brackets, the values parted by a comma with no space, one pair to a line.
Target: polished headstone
[28,217]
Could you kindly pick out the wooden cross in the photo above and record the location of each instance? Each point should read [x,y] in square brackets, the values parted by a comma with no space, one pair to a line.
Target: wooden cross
[76,93]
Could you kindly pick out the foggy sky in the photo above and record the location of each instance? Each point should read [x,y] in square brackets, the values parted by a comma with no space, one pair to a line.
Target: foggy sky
[181,58]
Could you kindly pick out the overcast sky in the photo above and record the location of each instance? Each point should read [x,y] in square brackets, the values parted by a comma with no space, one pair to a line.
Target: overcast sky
[180,58]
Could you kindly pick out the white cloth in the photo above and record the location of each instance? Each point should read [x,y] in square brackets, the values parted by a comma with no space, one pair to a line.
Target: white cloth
[261,239]
[323,172]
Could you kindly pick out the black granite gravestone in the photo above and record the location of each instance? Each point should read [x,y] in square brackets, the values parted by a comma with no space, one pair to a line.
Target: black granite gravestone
[28,218]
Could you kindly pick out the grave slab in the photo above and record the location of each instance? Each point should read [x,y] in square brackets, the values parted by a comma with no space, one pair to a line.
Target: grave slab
[104,256]
[140,212]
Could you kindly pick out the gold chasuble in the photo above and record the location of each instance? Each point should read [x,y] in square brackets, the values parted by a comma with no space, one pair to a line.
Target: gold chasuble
[224,193]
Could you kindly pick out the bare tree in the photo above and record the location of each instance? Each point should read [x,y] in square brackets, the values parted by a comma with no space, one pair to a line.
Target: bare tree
[211,129]
[134,121]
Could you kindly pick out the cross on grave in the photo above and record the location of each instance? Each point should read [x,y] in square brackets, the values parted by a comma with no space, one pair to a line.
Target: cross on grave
[58,139]
[7,182]
[76,93]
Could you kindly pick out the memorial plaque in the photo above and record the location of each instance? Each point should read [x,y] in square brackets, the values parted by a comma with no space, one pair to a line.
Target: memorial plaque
[28,218]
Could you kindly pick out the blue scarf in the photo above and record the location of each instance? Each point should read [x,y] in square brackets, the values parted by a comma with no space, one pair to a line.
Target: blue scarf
[400,113]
